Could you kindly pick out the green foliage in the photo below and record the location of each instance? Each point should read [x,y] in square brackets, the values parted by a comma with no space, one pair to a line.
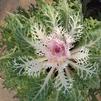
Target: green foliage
[15,32]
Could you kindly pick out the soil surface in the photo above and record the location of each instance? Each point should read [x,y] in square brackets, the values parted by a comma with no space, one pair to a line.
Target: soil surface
[5,94]
[11,5]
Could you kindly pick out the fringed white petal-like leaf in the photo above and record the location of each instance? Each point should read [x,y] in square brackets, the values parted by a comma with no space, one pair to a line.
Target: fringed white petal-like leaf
[37,38]
[69,40]
[38,31]
[33,68]
[76,28]
[28,66]
[40,47]
[84,70]
[81,56]
[58,31]
[62,82]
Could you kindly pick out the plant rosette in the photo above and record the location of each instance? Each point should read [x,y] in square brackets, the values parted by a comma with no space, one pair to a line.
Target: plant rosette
[56,50]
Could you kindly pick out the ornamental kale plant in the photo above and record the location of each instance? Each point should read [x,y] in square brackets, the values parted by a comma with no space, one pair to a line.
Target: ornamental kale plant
[55,50]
